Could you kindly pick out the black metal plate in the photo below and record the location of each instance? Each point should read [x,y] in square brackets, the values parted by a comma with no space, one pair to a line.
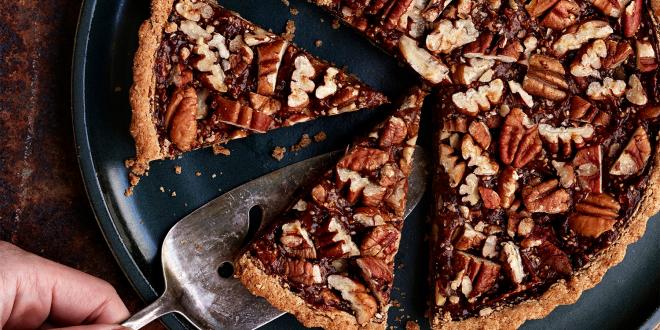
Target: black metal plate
[627,297]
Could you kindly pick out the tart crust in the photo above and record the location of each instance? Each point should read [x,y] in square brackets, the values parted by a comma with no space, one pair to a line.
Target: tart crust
[270,287]
[143,127]
[566,292]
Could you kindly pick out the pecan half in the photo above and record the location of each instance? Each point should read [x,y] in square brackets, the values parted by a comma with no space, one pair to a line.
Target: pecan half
[545,78]
[362,303]
[546,197]
[381,242]
[634,156]
[518,146]
[595,215]
[296,241]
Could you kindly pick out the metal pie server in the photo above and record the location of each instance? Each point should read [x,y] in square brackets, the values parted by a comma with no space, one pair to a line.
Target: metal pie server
[198,252]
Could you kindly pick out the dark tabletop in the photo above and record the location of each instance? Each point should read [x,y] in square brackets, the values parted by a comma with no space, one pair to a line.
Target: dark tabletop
[43,205]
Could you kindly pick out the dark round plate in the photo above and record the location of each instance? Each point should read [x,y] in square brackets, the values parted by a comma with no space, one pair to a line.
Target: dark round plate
[134,226]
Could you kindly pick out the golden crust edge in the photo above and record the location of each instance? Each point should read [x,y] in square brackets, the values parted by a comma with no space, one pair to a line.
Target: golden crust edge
[269,287]
[568,292]
[143,127]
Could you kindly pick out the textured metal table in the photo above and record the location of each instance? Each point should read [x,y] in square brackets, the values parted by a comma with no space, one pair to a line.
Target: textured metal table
[43,205]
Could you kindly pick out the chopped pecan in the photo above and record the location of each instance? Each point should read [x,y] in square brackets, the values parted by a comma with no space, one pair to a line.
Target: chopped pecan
[370,216]
[183,125]
[296,241]
[609,88]
[393,132]
[582,111]
[566,173]
[362,158]
[565,137]
[423,62]
[475,275]
[608,7]
[378,276]
[454,168]
[583,33]
[381,242]
[303,272]
[470,189]
[510,256]
[480,133]
[545,78]
[546,197]
[632,18]
[362,303]
[334,241]
[507,186]
[478,157]
[636,94]
[589,60]
[518,146]
[478,99]
[490,197]
[588,163]
[466,238]
[634,156]
[564,14]
[449,35]
[646,58]
[594,215]
[270,58]
[617,53]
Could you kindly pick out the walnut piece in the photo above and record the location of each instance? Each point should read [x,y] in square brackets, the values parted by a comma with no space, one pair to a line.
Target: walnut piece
[363,304]
[478,99]
[634,156]
[545,78]
[594,215]
[586,31]
[546,197]
[296,241]
[428,66]
[449,35]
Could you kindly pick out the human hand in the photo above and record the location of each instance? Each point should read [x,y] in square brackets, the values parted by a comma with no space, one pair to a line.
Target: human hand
[36,293]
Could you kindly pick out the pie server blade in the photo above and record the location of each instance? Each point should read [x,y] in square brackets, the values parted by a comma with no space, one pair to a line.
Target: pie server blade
[211,237]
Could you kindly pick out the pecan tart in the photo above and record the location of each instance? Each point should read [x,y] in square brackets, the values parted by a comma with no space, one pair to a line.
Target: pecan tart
[546,132]
[329,259]
[203,75]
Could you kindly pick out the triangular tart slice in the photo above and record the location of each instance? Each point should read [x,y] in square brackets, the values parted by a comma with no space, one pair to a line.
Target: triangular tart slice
[203,75]
[329,259]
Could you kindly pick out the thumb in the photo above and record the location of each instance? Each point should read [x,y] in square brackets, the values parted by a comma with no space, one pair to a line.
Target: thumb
[95,327]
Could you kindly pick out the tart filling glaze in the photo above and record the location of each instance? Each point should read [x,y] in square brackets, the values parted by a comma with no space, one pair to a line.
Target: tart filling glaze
[204,75]
[546,124]
[329,259]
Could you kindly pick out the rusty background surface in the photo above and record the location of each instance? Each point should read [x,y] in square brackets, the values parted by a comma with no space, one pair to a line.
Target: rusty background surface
[43,205]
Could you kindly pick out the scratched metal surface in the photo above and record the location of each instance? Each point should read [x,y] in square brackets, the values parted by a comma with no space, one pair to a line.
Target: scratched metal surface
[43,205]
[135,226]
